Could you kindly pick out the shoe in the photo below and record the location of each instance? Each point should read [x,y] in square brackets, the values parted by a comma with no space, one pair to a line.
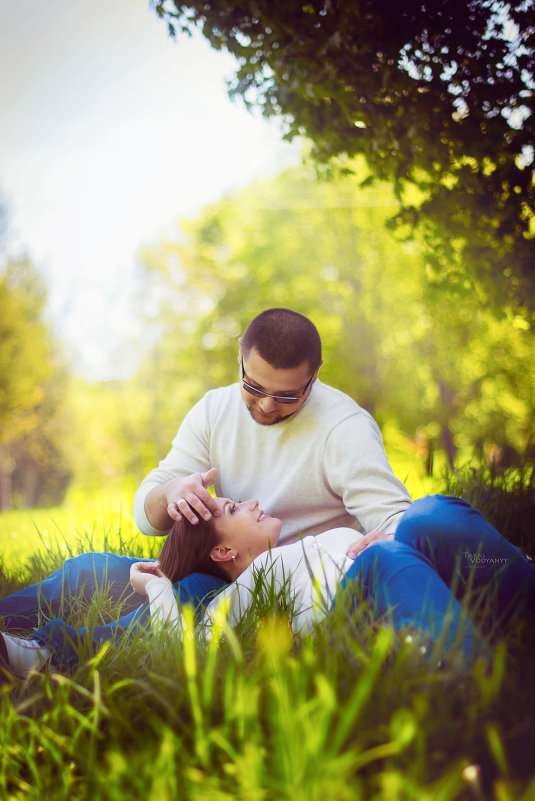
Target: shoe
[20,656]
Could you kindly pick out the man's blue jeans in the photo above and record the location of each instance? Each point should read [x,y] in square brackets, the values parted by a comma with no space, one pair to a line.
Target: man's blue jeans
[444,550]
[79,579]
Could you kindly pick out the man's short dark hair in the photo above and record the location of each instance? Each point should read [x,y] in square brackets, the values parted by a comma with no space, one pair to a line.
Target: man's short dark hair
[283,338]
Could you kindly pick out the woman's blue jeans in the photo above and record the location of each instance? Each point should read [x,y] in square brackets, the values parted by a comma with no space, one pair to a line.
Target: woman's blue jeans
[444,551]
[79,579]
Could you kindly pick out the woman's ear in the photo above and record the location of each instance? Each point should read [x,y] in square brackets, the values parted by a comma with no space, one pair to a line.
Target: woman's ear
[222,554]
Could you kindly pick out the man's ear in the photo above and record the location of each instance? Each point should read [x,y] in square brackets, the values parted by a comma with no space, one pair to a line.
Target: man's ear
[316,372]
[239,350]
[222,554]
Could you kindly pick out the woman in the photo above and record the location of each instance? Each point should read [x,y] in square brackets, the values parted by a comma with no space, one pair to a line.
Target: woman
[237,546]
[408,578]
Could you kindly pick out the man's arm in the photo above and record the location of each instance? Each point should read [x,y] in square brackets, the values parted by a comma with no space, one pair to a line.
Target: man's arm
[179,484]
[357,469]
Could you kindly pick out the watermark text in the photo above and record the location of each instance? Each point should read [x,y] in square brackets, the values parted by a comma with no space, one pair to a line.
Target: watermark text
[480,560]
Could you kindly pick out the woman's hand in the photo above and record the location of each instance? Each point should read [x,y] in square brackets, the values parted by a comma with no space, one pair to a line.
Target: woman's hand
[358,546]
[143,572]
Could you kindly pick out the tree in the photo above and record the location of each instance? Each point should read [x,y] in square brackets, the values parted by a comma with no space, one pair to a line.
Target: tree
[438,94]
[31,387]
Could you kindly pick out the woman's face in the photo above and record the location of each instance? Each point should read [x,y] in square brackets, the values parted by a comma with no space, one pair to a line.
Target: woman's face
[245,529]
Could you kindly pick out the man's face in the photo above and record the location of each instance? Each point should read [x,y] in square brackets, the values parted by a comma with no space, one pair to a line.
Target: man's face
[261,375]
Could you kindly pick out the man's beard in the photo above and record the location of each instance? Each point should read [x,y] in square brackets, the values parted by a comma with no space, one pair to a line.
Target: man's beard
[267,421]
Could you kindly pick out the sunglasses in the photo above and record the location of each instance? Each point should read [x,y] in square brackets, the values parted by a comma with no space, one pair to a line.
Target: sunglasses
[259,393]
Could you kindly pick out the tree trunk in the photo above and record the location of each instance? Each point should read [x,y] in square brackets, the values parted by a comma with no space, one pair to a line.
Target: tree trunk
[430,458]
[447,395]
[6,489]
[30,486]
[448,444]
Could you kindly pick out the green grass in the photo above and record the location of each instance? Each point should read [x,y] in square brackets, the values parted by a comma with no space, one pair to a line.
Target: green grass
[82,523]
[351,712]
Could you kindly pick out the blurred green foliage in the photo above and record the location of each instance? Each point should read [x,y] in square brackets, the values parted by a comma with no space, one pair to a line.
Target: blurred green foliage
[33,425]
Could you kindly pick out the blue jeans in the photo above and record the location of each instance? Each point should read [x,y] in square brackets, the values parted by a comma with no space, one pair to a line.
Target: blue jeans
[444,550]
[79,579]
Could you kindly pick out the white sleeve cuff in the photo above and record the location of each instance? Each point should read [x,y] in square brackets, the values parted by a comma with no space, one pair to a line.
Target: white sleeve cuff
[140,517]
[163,605]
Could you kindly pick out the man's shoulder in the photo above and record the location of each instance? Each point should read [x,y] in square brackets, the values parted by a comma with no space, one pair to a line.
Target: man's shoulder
[338,418]
[220,397]
[215,404]
[336,404]
[223,393]
[333,392]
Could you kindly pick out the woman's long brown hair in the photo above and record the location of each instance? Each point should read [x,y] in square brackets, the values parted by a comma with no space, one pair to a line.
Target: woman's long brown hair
[187,550]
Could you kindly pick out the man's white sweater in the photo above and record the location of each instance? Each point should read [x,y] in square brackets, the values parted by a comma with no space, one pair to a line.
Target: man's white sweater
[322,468]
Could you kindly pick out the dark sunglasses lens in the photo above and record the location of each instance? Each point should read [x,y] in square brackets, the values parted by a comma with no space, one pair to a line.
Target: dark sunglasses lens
[259,394]
[252,391]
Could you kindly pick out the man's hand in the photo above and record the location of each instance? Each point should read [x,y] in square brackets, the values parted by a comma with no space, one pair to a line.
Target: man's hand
[188,497]
[359,545]
[143,572]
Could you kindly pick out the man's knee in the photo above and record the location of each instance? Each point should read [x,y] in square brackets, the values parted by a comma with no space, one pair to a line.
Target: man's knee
[377,558]
[429,517]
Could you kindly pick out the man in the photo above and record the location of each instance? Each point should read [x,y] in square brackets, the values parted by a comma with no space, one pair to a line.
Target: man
[310,454]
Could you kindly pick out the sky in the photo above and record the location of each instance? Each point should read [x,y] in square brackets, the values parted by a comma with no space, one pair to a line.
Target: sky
[110,133]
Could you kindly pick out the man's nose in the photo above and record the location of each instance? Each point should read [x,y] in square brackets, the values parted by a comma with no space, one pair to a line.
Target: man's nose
[267,405]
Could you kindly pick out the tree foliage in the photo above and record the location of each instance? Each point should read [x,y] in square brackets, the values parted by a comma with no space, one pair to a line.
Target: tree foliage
[32,465]
[439,94]
[442,366]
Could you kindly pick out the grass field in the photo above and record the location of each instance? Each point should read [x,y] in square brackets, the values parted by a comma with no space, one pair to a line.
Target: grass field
[38,538]
[352,712]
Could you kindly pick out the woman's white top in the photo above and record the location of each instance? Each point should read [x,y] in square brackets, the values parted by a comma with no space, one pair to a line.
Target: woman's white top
[308,571]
